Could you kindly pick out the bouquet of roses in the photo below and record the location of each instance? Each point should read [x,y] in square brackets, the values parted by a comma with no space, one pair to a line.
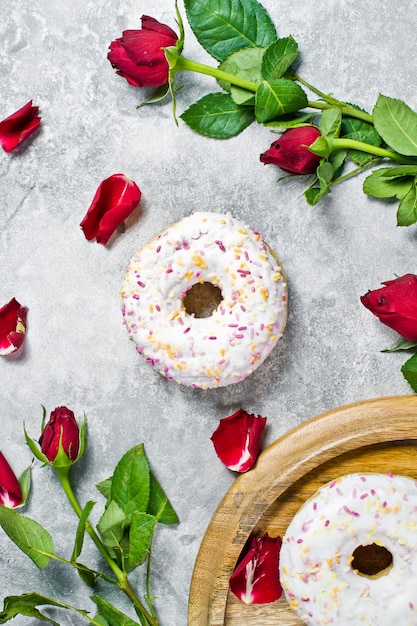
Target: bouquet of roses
[326,138]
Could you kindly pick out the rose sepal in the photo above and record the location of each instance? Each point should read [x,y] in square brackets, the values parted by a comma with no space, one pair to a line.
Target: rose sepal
[25,481]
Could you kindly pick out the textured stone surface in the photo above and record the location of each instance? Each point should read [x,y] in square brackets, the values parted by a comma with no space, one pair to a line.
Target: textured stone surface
[77,352]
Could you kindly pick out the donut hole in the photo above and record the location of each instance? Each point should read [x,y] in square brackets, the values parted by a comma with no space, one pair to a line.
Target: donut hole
[371,560]
[202,299]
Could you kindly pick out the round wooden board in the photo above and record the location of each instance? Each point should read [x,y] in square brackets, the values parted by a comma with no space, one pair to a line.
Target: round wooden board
[371,436]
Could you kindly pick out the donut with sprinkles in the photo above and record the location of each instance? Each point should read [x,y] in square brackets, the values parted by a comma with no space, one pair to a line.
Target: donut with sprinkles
[205,301]
[349,556]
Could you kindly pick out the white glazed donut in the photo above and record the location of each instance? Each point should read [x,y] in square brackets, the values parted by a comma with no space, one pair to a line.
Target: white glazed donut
[317,566]
[247,320]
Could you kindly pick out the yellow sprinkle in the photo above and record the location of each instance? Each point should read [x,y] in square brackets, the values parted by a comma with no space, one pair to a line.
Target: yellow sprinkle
[242,231]
[199,261]
[174,314]
[151,308]
[189,274]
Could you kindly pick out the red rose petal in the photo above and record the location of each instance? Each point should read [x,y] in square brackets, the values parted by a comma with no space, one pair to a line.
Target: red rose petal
[256,576]
[18,126]
[12,327]
[237,438]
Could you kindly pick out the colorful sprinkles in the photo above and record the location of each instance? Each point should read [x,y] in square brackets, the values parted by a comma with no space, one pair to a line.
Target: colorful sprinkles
[316,570]
[230,344]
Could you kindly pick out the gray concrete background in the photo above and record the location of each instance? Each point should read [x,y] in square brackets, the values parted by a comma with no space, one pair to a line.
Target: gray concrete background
[77,352]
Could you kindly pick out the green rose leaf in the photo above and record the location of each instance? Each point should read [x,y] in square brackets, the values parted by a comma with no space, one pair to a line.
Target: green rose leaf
[217,115]
[224,27]
[26,604]
[105,487]
[159,505]
[292,120]
[244,63]
[111,614]
[396,122]
[400,170]
[140,538]
[330,121]
[359,130]
[380,185]
[278,97]
[111,525]
[407,210]
[79,535]
[130,482]
[314,193]
[278,58]
[409,370]
[404,344]
[32,538]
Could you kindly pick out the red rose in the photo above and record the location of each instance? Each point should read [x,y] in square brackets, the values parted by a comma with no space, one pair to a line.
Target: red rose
[290,151]
[138,55]
[15,128]
[12,327]
[236,440]
[396,305]
[10,492]
[256,577]
[61,430]
[114,201]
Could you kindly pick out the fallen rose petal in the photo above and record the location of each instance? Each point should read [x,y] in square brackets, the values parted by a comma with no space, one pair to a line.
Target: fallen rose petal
[236,440]
[115,199]
[12,327]
[256,576]
[395,305]
[18,126]
[10,491]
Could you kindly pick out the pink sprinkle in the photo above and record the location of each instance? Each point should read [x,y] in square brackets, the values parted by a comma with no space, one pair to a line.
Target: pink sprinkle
[158,249]
[411,605]
[135,296]
[141,284]
[157,307]
[390,474]
[220,244]
[327,522]
[213,338]
[243,308]
[384,504]
[239,336]
[314,506]
[363,496]
[187,330]
[363,479]
[373,492]
[242,328]
[339,491]
[299,541]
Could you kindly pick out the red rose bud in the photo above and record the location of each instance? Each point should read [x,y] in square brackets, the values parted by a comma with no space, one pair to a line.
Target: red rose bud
[10,492]
[138,55]
[396,305]
[12,327]
[236,440]
[256,577]
[60,431]
[114,201]
[18,126]
[290,151]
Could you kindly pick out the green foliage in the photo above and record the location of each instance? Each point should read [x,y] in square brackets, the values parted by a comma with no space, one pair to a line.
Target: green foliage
[245,63]
[224,27]
[28,535]
[278,58]
[27,604]
[278,97]
[217,115]
[396,122]
[409,370]
[111,614]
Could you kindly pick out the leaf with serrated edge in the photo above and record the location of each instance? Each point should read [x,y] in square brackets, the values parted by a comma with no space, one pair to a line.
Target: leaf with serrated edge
[130,483]
[140,537]
[224,27]
[407,210]
[159,505]
[278,58]
[32,538]
[26,604]
[243,63]
[380,186]
[396,122]
[330,121]
[111,525]
[217,115]
[278,97]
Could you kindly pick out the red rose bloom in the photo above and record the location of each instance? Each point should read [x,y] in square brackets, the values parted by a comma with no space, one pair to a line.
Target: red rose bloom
[256,577]
[395,305]
[10,492]
[236,440]
[114,201]
[18,126]
[290,152]
[12,327]
[138,55]
[61,429]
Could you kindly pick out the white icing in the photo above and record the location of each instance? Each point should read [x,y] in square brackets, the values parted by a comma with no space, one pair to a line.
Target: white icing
[317,577]
[230,344]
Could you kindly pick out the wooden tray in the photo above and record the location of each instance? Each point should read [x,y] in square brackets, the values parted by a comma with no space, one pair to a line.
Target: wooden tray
[372,436]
